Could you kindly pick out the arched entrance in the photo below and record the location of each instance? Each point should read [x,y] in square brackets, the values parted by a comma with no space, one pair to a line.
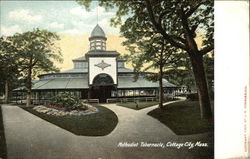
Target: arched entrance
[102,86]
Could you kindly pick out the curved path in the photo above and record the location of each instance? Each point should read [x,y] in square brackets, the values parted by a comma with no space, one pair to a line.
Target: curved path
[31,137]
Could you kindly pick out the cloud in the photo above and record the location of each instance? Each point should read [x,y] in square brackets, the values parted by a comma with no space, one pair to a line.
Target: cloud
[72,31]
[81,12]
[81,24]
[56,25]
[25,15]
[7,31]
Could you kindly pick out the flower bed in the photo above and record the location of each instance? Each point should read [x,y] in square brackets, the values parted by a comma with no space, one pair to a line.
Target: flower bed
[57,111]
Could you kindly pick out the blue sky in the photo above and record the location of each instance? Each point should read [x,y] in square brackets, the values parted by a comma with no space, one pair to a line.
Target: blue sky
[64,17]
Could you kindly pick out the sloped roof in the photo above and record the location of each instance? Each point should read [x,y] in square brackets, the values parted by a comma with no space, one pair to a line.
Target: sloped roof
[82,83]
[97,31]
[61,83]
[129,82]
[80,59]
[80,70]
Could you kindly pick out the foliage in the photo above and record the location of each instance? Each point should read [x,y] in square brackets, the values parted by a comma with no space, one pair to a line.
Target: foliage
[9,71]
[37,52]
[209,67]
[192,96]
[164,17]
[37,49]
[68,101]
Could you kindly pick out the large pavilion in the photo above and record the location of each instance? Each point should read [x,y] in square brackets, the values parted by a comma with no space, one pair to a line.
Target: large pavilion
[100,74]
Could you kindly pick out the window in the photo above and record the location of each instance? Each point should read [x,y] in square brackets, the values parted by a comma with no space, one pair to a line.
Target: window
[79,65]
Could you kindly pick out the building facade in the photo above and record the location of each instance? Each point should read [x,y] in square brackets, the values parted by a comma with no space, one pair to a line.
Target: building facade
[99,74]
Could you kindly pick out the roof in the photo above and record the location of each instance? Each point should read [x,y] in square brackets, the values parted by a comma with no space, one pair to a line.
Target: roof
[129,82]
[83,58]
[123,69]
[80,70]
[80,59]
[85,70]
[124,82]
[102,53]
[61,83]
[97,31]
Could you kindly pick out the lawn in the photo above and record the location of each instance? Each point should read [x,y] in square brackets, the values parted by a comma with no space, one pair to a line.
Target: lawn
[183,118]
[3,149]
[98,124]
[141,105]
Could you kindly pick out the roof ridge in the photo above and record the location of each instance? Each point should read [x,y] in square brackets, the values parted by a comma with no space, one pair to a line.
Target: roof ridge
[45,83]
[68,82]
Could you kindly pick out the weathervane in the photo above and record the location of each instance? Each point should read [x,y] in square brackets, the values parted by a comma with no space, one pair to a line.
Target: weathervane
[97,11]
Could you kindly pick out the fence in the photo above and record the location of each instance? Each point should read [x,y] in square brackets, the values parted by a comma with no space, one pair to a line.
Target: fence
[137,99]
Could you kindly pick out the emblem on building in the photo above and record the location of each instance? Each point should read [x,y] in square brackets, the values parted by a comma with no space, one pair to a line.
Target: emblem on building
[102,65]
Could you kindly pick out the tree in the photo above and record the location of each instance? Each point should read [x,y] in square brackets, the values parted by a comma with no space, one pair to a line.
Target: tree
[154,51]
[37,52]
[9,71]
[179,22]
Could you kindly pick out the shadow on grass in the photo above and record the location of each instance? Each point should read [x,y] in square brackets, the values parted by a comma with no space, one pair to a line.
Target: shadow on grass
[98,124]
[183,118]
[3,149]
[141,105]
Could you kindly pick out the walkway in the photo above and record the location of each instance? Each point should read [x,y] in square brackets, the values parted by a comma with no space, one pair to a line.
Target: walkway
[30,137]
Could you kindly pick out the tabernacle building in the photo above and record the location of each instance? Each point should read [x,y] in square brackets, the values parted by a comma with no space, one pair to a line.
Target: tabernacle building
[99,74]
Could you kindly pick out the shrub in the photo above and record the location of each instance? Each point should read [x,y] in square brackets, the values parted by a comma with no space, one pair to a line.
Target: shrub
[192,96]
[68,102]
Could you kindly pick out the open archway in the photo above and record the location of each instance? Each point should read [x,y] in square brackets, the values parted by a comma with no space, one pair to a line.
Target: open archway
[103,79]
[101,88]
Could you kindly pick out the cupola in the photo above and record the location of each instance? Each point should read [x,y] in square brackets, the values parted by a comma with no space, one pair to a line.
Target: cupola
[97,39]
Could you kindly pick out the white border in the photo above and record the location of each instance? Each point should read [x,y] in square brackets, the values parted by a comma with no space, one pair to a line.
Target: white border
[231,77]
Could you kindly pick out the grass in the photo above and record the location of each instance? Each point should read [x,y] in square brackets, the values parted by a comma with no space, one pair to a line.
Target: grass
[141,105]
[183,118]
[98,124]
[3,149]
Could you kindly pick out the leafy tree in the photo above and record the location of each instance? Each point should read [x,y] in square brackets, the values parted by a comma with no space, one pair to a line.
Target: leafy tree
[37,52]
[179,22]
[155,51]
[9,71]
[181,73]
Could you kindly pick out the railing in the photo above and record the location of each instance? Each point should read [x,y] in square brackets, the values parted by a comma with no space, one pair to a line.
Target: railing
[93,100]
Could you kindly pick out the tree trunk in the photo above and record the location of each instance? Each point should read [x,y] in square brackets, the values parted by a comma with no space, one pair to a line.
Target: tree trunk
[29,86]
[201,83]
[6,92]
[161,88]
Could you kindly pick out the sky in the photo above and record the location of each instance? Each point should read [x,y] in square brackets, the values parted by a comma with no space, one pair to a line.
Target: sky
[67,18]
